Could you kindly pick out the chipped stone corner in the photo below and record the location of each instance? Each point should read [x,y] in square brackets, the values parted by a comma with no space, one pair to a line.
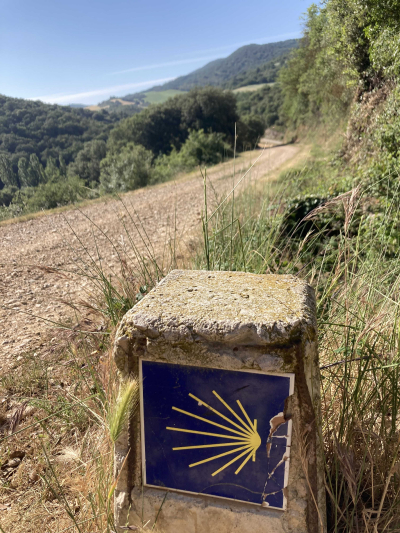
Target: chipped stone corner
[233,321]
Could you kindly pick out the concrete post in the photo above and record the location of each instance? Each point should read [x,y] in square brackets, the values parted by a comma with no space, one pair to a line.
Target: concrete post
[227,437]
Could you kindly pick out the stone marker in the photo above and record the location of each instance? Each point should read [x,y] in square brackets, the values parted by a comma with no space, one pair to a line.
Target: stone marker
[228,425]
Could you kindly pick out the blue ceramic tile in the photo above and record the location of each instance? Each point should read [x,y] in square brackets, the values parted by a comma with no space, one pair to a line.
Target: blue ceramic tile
[206,431]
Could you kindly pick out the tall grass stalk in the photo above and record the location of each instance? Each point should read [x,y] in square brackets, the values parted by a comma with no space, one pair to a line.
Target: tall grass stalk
[119,413]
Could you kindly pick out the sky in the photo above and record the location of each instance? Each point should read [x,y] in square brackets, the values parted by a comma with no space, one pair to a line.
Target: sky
[71,51]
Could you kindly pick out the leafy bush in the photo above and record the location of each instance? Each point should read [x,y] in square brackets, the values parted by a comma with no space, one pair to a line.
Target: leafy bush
[161,128]
[56,193]
[203,148]
[7,194]
[199,149]
[127,169]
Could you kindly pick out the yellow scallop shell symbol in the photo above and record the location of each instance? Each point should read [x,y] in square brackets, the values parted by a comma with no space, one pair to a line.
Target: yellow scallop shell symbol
[245,437]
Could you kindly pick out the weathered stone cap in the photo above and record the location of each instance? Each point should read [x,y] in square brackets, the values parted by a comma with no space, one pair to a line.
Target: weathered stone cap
[229,307]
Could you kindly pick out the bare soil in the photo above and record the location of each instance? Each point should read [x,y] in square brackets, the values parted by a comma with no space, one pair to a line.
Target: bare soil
[40,258]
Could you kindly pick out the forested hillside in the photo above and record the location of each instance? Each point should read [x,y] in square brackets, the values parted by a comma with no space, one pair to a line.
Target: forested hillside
[220,71]
[28,127]
[51,155]
[265,73]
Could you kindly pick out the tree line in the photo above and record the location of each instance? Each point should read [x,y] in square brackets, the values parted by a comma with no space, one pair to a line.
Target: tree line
[115,155]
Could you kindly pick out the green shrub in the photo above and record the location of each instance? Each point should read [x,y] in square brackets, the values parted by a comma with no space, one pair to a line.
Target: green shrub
[56,193]
[200,149]
[7,194]
[203,149]
[130,168]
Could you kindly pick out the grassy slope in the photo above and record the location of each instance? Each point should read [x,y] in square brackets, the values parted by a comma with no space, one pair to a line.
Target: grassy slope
[348,250]
[160,97]
[251,88]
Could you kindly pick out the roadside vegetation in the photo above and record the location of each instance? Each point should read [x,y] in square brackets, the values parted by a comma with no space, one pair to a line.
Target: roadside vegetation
[333,220]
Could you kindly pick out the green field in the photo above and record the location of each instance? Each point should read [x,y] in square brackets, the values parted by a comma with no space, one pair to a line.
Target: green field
[159,97]
[251,88]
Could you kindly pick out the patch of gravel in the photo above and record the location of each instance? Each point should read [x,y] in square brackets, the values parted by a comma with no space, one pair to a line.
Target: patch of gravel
[33,294]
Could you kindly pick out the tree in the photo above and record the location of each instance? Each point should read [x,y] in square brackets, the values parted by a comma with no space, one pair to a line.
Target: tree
[157,128]
[87,162]
[8,178]
[209,109]
[250,129]
[161,128]
[30,173]
[126,170]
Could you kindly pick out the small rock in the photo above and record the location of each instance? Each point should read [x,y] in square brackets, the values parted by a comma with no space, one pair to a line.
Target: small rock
[13,463]
[33,476]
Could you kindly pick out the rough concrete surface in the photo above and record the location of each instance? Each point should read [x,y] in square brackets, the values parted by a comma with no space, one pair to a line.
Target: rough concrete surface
[234,321]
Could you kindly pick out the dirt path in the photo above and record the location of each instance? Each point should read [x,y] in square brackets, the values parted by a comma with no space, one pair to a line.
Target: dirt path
[29,292]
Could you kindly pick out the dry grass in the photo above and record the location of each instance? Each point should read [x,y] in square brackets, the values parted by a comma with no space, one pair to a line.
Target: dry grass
[56,448]
[357,281]
[56,456]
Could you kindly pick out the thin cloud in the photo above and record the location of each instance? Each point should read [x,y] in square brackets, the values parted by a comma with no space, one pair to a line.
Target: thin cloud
[167,64]
[195,59]
[264,40]
[58,99]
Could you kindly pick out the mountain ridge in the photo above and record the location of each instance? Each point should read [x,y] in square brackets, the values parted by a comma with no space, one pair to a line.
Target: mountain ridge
[221,70]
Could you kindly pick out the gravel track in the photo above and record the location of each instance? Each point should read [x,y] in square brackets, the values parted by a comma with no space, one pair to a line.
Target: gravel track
[30,252]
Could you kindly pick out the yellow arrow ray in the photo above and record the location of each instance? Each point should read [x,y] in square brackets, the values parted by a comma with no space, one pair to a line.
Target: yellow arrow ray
[222,455]
[230,462]
[209,434]
[212,445]
[254,428]
[251,454]
[245,429]
[250,428]
[242,433]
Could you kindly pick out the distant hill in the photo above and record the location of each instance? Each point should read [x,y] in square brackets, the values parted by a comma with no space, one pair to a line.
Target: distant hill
[121,106]
[139,100]
[265,73]
[249,65]
[77,105]
[220,71]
